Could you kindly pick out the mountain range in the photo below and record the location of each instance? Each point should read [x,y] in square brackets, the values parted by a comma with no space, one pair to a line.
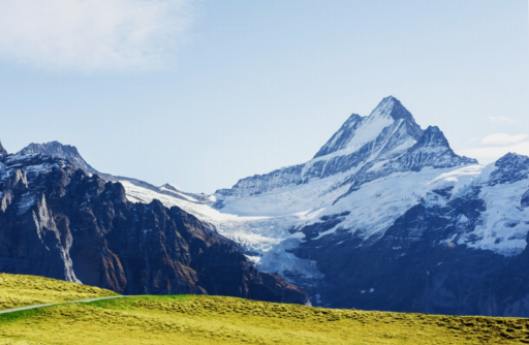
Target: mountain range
[384,216]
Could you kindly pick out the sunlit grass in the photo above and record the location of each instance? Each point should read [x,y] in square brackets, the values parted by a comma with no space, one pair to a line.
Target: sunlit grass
[204,320]
[20,290]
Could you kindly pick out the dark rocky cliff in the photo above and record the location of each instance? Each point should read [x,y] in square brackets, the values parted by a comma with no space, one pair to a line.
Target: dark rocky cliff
[59,222]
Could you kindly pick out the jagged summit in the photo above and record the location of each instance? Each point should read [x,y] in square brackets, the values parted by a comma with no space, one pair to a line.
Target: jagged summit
[365,148]
[342,137]
[51,148]
[360,130]
[432,150]
[59,150]
[392,107]
[433,136]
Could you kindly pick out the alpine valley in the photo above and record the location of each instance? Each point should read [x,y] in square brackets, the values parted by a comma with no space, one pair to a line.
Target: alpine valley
[385,216]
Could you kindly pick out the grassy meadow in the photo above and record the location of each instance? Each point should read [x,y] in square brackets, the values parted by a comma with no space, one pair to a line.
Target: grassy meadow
[21,290]
[204,320]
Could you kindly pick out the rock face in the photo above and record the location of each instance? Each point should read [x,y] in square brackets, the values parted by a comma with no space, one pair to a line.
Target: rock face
[525,199]
[509,169]
[56,149]
[57,221]
[2,150]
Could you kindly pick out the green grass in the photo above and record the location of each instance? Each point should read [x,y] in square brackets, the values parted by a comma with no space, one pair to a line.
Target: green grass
[20,290]
[204,320]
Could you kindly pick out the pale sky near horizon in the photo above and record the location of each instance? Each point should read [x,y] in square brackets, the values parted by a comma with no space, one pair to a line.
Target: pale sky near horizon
[202,93]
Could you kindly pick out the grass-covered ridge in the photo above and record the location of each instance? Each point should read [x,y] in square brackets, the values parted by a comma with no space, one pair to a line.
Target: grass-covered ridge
[21,290]
[203,320]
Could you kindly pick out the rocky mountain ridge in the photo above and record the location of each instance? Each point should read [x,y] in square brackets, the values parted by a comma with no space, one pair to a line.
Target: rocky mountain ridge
[58,221]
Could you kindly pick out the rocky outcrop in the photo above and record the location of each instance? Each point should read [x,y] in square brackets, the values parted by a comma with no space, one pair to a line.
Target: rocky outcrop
[59,222]
[510,168]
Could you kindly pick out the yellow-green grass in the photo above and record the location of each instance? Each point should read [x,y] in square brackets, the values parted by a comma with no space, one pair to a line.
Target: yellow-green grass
[21,290]
[203,320]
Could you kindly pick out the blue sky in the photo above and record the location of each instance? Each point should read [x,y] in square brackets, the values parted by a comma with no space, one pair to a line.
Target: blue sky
[201,93]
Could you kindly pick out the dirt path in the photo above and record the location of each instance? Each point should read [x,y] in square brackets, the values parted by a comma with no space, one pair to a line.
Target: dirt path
[40,306]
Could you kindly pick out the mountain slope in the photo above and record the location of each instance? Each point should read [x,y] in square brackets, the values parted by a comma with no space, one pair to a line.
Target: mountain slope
[57,221]
[386,201]
[387,148]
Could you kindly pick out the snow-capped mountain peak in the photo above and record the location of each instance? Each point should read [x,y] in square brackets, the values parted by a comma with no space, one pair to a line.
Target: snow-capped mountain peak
[357,131]
[58,150]
[433,137]
[363,149]
[393,108]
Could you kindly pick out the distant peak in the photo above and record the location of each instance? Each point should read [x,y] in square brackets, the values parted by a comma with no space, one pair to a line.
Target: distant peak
[392,107]
[509,169]
[513,159]
[52,148]
[433,136]
[58,150]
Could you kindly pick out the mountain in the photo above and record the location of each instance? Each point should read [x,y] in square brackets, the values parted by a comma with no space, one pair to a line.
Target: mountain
[387,216]
[384,216]
[363,149]
[58,221]
[56,149]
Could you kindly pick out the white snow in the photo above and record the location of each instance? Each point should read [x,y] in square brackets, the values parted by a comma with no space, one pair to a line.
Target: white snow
[376,205]
[288,200]
[459,178]
[505,224]
[258,233]
[369,129]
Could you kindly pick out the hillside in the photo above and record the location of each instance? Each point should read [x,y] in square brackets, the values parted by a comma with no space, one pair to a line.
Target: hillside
[206,320]
[21,290]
